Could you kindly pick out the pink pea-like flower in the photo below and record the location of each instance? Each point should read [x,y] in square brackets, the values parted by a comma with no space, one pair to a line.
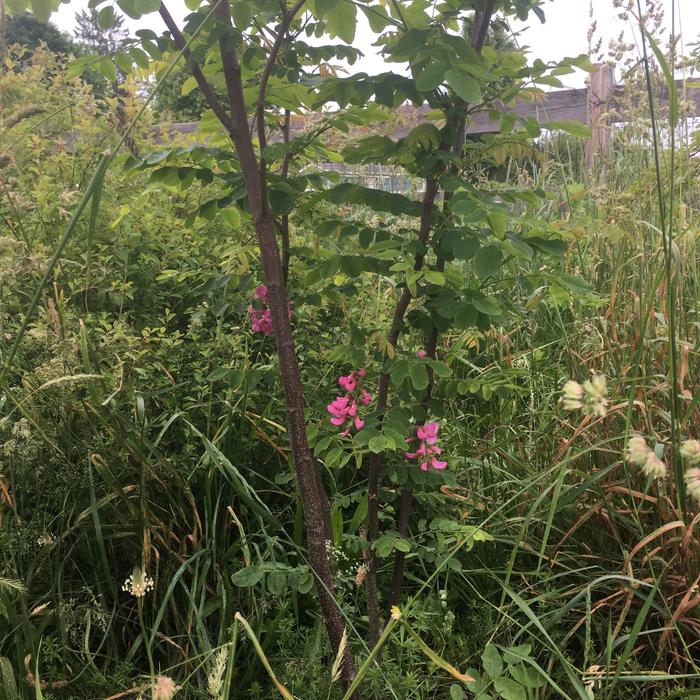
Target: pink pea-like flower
[427,450]
[421,354]
[261,319]
[348,383]
[345,410]
[428,432]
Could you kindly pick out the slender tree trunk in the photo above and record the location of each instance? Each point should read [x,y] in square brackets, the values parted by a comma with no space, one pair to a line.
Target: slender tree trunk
[312,492]
[455,138]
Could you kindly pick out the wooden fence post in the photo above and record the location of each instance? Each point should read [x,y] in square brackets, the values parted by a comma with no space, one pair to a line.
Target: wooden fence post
[600,91]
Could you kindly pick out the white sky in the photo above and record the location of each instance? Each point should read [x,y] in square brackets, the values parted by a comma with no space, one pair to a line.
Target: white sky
[563,34]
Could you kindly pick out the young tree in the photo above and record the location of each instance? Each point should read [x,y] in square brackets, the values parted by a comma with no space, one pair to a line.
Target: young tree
[256,51]
[100,37]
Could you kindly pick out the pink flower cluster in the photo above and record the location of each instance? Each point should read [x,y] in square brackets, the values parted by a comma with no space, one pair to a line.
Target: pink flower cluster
[261,319]
[427,450]
[344,409]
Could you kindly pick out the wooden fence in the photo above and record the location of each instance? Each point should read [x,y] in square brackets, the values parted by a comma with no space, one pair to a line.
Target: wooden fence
[599,105]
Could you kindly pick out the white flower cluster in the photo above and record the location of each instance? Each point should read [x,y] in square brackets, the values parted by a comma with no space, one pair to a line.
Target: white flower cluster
[138,583]
[591,397]
[641,455]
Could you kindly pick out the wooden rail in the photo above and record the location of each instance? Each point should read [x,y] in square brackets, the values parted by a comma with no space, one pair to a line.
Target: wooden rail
[598,105]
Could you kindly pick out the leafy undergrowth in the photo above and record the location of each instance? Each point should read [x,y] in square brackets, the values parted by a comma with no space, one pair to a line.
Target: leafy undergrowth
[150,524]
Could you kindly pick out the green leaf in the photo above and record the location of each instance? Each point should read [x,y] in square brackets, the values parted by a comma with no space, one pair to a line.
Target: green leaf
[377,17]
[434,277]
[419,376]
[105,17]
[247,577]
[465,247]
[492,661]
[42,9]
[188,85]
[107,68]
[509,690]
[569,126]
[377,444]
[529,677]
[668,77]
[456,692]
[515,655]
[127,7]
[123,60]
[231,216]
[487,305]
[488,261]
[276,582]
[218,373]
[402,545]
[342,21]
[440,368]
[145,7]
[430,77]
[466,316]
[551,246]
[463,84]
[306,583]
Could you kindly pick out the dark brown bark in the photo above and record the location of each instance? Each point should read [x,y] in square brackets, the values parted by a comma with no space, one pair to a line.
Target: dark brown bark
[406,501]
[382,396]
[455,130]
[284,224]
[313,495]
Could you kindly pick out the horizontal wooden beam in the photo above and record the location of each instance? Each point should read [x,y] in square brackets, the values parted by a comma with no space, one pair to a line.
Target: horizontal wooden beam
[556,105]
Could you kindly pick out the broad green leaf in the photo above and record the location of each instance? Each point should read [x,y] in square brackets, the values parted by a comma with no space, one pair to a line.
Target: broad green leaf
[440,368]
[465,247]
[231,216]
[247,577]
[402,545]
[430,77]
[434,277]
[527,676]
[145,7]
[466,316]
[128,8]
[515,654]
[218,373]
[456,692]
[551,246]
[105,17]
[377,17]
[107,68]
[42,9]
[488,261]
[463,84]
[276,582]
[377,444]
[487,305]
[509,689]
[123,61]
[492,661]
[419,376]
[569,126]
[188,85]
[342,21]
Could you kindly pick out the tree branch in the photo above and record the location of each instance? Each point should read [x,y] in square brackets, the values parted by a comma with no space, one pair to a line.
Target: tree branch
[207,91]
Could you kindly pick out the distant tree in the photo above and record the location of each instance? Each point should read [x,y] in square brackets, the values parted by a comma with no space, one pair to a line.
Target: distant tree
[171,104]
[94,36]
[27,30]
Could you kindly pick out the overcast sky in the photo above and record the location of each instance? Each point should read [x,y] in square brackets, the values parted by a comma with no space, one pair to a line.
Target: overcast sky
[563,34]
